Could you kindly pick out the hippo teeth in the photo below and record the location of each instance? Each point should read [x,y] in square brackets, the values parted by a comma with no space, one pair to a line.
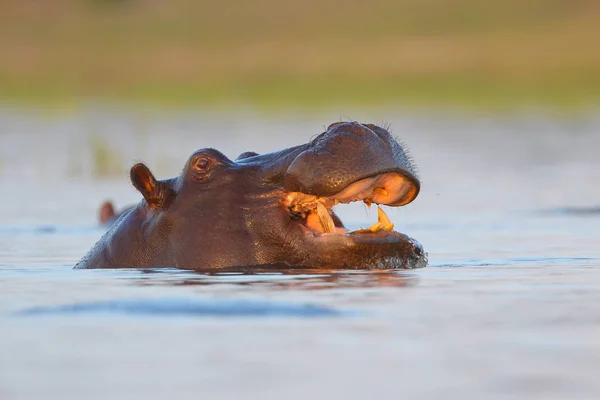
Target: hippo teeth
[380,191]
[383,223]
[325,219]
[319,220]
[318,217]
[384,220]
[390,188]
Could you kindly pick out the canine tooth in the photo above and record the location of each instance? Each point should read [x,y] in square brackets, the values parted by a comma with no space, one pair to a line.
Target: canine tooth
[325,218]
[376,227]
[384,220]
[381,191]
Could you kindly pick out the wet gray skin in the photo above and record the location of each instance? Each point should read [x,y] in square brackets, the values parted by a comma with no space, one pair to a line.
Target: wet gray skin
[269,210]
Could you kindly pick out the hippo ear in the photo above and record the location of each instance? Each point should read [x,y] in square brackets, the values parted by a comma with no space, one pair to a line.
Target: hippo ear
[246,154]
[330,127]
[146,184]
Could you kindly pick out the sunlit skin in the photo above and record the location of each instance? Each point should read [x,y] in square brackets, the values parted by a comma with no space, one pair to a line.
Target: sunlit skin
[269,210]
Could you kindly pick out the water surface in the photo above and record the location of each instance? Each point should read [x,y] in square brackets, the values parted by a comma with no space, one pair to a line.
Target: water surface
[508,307]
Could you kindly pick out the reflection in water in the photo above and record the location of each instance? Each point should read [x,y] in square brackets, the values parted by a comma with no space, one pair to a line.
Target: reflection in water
[306,279]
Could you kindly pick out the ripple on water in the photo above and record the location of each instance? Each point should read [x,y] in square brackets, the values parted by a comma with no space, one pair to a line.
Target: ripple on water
[190,307]
[521,261]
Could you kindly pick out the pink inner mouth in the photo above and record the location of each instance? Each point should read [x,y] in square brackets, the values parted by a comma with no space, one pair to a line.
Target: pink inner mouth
[391,189]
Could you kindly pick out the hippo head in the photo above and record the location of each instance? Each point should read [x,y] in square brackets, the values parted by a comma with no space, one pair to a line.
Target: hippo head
[276,209]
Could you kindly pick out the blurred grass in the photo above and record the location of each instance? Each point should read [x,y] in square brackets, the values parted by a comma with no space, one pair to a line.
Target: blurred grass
[311,54]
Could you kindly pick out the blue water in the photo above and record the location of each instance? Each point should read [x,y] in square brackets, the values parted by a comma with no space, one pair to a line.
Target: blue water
[507,308]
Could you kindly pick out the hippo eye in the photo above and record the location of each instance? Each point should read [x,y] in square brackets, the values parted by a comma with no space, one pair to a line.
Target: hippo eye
[201,164]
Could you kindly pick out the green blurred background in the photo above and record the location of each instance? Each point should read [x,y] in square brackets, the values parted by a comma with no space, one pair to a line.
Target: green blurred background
[273,54]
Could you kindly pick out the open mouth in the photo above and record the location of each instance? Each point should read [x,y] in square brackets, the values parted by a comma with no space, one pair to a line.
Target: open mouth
[392,189]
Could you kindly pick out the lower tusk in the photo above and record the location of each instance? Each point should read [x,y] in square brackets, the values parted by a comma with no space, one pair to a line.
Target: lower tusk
[325,219]
[376,227]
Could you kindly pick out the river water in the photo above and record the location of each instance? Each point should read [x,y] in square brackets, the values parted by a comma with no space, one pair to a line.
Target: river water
[509,306]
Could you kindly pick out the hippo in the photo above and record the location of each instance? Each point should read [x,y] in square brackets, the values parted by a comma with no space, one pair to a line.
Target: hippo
[107,214]
[270,210]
